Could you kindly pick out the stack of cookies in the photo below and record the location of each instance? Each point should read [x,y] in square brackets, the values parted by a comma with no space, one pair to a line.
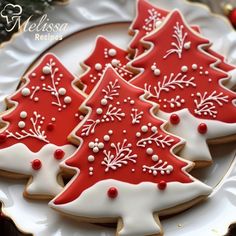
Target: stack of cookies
[128,131]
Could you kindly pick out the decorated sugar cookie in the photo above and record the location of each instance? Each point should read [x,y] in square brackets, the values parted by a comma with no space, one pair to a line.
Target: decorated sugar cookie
[126,167]
[182,78]
[104,54]
[33,138]
[149,17]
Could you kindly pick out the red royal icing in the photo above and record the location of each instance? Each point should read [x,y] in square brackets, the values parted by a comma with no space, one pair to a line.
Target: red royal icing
[3,138]
[189,82]
[104,53]
[45,103]
[147,20]
[121,140]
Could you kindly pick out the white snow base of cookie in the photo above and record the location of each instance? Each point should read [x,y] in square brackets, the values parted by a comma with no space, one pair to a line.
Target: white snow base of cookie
[18,158]
[135,204]
[196,148]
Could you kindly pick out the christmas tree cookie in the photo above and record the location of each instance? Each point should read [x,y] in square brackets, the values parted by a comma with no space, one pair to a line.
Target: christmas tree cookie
[105,53]
[150,17]
[179,75]
[127,170]
[40,116]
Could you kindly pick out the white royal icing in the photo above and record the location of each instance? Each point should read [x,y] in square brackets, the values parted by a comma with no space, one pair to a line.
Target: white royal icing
[135,204]
[18,159]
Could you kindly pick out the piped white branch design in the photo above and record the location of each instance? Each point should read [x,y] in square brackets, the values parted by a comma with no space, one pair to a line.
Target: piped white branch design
[34,132]
[180,38]
[153,20]
[111,90]
[173,82]
[206,106]
[159,139]
[123,154]
[53,87]
[160,167]
[136,116]
[111,114]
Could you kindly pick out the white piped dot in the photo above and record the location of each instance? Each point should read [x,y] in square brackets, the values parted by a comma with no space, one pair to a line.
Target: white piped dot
[110,132]
[21,124]
[53,119]
[67,99]
[187,45]
[115,62]
[23,114]
[25,92]
[138,134]
[36,99]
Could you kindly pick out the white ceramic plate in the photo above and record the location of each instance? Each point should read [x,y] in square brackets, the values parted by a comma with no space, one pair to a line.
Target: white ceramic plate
[210,218]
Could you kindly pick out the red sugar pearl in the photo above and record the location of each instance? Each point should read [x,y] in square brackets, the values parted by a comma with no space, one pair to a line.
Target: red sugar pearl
[36,164]
[50,127]
[59,154]
[3,138]
[174,119]
[112,192]
[202,128]
[162,185]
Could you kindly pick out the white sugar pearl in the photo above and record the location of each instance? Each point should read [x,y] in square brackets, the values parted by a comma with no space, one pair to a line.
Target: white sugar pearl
[112,52]
[157,72]
[90,168]
[184,68]
[155,158]
[106,138]
[110,132]
[101,145]
[67,99]
[194,66]
[144,128]
[46,70]
[23,114]
[91,158]
[95,149]
[149,151]
[91,145]
[114,62]
[21,124]
[99,111]
[62,91]
[103,102]
[98,66]
[138,134]
[25,92]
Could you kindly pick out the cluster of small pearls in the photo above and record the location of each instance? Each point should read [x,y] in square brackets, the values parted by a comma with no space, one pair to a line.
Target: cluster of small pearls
[129,100]
[96,145]
[153,21]
[110,52]
[155,70]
